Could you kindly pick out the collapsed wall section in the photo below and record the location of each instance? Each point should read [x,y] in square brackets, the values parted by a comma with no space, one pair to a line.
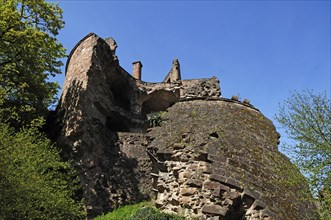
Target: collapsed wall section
[200,89]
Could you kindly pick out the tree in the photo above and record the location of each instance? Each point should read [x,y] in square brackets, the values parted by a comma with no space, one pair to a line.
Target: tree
[307,120]
[34,182]
[29,55]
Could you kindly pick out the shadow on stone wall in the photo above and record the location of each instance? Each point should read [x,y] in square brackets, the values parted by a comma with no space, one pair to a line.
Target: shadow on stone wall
[108,178]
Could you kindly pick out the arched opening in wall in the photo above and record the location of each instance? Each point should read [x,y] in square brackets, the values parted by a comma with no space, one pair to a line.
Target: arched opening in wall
[159,100]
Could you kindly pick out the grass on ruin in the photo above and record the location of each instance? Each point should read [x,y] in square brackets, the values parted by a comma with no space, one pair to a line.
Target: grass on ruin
[139,211]
[125,212]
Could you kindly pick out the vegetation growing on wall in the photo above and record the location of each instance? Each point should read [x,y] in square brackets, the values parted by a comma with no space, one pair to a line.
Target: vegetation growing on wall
[156,118]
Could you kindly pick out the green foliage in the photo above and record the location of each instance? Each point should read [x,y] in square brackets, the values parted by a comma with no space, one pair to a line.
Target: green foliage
[307,120]
[156,118]
[29,55]
[140,211]
[34,182]
[125,212]
[325,204]
[150,213]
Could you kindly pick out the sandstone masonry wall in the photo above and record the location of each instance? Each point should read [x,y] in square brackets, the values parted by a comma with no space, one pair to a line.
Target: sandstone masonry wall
[96,103]
[219,160]
[200,88]
[210,157]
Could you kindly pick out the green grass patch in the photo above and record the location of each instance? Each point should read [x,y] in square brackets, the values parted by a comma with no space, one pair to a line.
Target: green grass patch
[125,212]
[139,211]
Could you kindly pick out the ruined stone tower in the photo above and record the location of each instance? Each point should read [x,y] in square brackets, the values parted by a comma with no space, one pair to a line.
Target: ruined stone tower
[207,157]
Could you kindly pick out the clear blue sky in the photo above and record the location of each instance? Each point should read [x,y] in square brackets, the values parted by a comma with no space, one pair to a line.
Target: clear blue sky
[260,50]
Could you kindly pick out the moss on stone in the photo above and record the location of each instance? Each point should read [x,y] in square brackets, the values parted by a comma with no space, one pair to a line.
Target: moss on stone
[248,141]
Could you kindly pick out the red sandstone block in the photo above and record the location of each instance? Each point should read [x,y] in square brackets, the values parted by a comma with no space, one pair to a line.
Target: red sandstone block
[211,185]
[214,209]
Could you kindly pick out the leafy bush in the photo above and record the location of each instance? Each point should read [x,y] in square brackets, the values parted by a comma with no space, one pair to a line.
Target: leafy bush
[34,182]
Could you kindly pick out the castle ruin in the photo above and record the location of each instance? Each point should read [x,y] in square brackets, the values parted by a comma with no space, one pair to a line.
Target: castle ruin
[208,157]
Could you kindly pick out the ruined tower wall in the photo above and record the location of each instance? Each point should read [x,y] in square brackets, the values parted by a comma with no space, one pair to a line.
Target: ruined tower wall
[219,160]
[210,157]
[96,103]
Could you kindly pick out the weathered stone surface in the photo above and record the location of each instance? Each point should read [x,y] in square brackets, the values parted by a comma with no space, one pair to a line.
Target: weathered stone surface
[187,191]
[194,183]
[211,157]
[241,148]
[174,74]
[95,102]
[211,185]
[214,209]
[200,88]
[218,178]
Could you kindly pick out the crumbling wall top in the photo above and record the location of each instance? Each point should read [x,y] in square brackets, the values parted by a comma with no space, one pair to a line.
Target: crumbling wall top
[174,74]
[76,46]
